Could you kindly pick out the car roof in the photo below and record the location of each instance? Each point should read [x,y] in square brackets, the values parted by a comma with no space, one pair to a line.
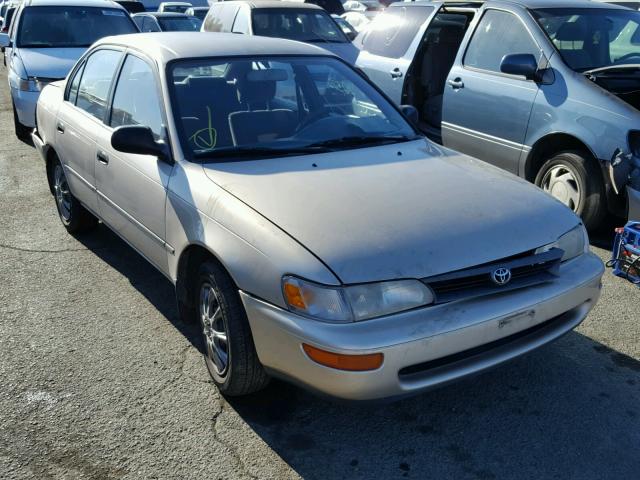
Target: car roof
[161,14]
[275,4]
[167,46]
[531,4]
[74,3]
[176,4]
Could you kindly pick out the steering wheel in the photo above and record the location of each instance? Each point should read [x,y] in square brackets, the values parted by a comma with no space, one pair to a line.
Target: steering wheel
[318,115]
[627,56]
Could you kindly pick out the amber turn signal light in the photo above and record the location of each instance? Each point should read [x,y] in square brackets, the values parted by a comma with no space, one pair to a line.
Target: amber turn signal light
[352,363]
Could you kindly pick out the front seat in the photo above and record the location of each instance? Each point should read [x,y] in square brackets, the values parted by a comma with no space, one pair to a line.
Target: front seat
[568,37]
[259,122]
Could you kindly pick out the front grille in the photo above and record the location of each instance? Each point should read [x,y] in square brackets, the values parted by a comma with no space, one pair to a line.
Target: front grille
[526,271]
[476,352]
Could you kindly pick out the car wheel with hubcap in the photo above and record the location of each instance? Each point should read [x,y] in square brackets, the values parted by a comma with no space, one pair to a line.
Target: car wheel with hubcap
[73,215]
[574,179]
[230,353]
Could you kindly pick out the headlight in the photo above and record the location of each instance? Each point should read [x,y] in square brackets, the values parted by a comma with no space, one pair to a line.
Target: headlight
[354,303]
[573,243]
[31,84]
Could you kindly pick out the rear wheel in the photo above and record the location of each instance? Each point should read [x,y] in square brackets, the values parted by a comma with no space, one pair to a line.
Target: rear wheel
[22,131]
[230,355]
[73,215]
[574,178]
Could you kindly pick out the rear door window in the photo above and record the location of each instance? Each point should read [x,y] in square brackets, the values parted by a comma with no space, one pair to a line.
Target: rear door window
[498,34]
[93,91]
[390,34]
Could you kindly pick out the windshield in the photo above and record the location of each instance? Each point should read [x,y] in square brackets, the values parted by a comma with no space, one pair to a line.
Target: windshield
[70,26]
[303,25]
[179,24]
[287,105]
[590,38]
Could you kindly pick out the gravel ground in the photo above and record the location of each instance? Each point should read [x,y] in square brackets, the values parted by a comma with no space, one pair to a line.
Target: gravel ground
[98,379]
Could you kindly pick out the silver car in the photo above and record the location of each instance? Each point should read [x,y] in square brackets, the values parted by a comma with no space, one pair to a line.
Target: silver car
[306,225]
[45,40]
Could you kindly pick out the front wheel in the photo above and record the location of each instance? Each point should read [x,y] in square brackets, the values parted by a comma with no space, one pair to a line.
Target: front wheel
[73,215]
[230,354]
[574,178]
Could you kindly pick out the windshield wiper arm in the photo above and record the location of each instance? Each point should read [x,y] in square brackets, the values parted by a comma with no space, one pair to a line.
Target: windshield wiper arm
[356,141]
[225,153]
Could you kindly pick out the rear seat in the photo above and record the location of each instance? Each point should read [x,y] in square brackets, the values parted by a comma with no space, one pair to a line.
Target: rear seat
[205,104]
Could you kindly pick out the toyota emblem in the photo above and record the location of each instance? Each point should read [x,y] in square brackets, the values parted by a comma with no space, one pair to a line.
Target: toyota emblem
[501,276]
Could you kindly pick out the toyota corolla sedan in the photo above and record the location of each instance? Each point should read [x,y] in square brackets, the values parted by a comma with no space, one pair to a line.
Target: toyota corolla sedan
[308,227]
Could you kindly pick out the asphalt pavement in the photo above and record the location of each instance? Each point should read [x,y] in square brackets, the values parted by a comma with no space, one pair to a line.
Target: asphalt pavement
[100,380]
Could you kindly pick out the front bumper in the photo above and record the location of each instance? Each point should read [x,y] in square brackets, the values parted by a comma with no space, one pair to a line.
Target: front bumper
[25,103]
[427,347]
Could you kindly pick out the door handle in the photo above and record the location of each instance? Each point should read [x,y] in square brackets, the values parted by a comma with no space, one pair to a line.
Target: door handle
[60,127]
[456,83]
[396,73]
[102,158]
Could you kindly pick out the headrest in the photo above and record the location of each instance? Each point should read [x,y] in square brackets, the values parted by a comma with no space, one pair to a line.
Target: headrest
[571,32]
[257,92]
[205,83]
[271,74]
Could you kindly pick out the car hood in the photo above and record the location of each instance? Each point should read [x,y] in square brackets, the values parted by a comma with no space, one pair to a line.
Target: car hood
[409,210]
[49,62]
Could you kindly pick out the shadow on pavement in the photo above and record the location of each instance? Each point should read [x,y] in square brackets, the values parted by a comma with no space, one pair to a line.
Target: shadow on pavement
[569,410]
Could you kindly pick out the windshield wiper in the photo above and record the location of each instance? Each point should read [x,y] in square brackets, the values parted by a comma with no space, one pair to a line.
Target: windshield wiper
[229,153]
[362,140]
[609,68]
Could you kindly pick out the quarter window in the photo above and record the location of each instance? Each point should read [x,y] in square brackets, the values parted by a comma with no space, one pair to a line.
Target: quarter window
[136,99]
[96,82]
[75,83]
[498,34]
[390,34]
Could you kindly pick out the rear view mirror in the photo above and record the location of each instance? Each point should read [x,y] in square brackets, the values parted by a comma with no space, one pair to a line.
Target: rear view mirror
[411,113]
[523,64]
[4,40]
[138,140]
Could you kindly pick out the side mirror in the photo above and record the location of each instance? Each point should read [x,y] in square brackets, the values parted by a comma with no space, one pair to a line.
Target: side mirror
[4,41]
[139,140]
[411,113]
[523,64]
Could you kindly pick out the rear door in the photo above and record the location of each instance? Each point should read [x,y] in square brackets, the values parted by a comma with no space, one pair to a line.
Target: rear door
[79,116]
[132,188]
[486,112]
[389,43]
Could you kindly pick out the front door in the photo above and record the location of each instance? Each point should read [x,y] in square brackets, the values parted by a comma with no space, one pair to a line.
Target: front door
[132,188]
[79,117]
[485,112]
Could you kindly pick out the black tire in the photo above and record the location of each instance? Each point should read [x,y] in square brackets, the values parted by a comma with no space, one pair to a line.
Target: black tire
[591,204]
[74,217]
[243,374]
[22,131]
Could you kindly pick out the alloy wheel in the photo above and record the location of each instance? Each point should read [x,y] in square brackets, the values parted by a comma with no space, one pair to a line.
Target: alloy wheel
[214,330]
[62,193]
